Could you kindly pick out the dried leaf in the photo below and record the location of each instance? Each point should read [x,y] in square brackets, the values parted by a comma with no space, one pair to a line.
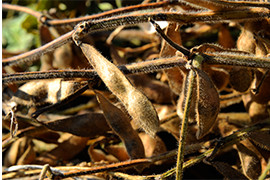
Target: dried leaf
[46,59]
[64,152]
[251,164]
[118,151]
[136,103]
[28,156]
[98,155]
[155,90]
[120,124]
[174,75]
[21,152]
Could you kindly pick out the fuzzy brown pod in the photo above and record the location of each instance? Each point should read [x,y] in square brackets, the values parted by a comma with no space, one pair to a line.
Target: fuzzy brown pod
[256,111]
[205,103]
[219,76]
[254,37]
[136,103]
[35,93]
[85,125]
[119,122]
[251,164]
[240,78]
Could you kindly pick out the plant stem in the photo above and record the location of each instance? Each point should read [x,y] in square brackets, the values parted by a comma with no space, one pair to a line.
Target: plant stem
[183,130]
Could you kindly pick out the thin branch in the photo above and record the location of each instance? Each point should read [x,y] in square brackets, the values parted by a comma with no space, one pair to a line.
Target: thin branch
[182,49]
[237,59]
[27,10]
[183,130]
[142,67]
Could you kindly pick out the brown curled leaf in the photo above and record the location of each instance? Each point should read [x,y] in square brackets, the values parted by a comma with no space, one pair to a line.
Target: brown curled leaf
[205,103]
[118,151]
[153,146]
[251,164]
[174,75]
[136,103]
[85,125]
[19,152]
[119,122]
[28,156]
[98,155]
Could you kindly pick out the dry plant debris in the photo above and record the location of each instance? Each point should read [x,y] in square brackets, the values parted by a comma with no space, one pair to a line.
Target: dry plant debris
[172,89]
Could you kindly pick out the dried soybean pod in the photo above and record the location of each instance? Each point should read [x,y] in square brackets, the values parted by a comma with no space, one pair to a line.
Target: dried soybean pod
[137,105]
[250,161]
[207,107]
[204,106]
[120,124]
[241,78]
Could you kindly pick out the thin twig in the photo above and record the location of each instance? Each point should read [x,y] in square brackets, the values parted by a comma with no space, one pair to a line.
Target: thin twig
[183,130]
[27,10]
[182,49]
[142,67]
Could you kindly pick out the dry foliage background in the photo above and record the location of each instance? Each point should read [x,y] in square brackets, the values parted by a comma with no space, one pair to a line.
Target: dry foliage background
[188,98]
